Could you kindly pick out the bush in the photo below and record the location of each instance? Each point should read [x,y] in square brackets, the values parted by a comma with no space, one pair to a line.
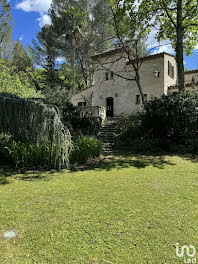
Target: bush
[172,117]
[169,123]
[128,126]
[85,148]
[27,155]
[79,123]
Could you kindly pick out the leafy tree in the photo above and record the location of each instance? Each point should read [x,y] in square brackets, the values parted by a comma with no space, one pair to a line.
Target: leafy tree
[130,32]
[178,22]
[20,58]
[14,82]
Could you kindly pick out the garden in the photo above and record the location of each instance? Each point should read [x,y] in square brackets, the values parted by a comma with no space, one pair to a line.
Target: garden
[61,199]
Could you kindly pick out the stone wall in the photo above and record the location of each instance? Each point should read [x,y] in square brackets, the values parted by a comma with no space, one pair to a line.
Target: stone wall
[124,92]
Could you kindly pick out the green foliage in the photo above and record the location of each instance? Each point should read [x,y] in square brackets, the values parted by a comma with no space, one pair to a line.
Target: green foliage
[5,27]
[27,155]
[130,25]
[85,148]
[173,117]
[20,58]
[44,53]
[169,123]
[77,122]
[17,83]
[128,126]
[79,29]
[165,13]
[31,123]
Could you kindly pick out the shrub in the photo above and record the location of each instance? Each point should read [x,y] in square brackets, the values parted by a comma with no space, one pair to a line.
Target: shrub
[128,126]
[85,148]
[28,155]
[77,122]
[173,117]
[169,123]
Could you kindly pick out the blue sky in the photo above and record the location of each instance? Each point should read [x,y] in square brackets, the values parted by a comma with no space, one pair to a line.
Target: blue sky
[30,15]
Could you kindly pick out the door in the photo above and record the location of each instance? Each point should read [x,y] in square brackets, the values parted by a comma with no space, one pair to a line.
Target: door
[109,107]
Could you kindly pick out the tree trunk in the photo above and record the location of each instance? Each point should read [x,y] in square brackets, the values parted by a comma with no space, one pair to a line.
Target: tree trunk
[179,47]
[73,70]
[137,79]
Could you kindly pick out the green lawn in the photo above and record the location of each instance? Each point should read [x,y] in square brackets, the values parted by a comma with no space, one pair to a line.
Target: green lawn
[124,210]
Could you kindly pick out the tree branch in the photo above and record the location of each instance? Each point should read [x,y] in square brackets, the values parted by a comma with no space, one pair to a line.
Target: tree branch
[169,16]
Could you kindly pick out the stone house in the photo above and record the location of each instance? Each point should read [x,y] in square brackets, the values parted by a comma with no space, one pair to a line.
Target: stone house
[112,93]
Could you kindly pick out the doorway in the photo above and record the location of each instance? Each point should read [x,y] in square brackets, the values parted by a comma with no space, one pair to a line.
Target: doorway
[109,107]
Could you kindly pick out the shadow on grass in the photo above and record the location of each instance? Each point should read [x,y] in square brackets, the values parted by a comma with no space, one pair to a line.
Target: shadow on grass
[7,171]
[117,161]
[125,161]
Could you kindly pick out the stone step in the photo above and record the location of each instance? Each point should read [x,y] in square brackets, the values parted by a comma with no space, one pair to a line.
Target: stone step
[106,135]
[107,128]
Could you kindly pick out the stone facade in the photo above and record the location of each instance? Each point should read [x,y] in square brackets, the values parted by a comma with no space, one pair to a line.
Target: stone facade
[119,95]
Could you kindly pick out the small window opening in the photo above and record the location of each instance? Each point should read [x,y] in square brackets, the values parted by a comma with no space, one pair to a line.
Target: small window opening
[106,76]
[138,99]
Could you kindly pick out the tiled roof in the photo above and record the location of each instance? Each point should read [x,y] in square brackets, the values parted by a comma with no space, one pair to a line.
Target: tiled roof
[190,72]
[154,56]
[110,52]
[148,57]
[172,87]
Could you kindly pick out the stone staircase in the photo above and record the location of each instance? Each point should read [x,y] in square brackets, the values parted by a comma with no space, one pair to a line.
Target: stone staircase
[106,133]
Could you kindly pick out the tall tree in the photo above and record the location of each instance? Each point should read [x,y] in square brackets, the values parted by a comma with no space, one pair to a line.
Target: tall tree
[20,58]
[177,20]
[44,54]
[67,24]
[90,19]
[5,26]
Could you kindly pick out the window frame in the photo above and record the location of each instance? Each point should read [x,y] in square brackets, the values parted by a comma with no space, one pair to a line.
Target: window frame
[171,70]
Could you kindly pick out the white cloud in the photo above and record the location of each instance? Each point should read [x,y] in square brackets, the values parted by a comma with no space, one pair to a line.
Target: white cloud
[44,19]
[21,38]
[34,5]
[157,47]
[41,6]
[165,48]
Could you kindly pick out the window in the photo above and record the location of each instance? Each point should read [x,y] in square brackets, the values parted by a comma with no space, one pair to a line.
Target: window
[106,76]
[171,71]
[138,99]
[82,104]
[111,75]
[145,97]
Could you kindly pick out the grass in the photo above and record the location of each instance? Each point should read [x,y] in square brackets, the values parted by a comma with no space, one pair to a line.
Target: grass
[122,210]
